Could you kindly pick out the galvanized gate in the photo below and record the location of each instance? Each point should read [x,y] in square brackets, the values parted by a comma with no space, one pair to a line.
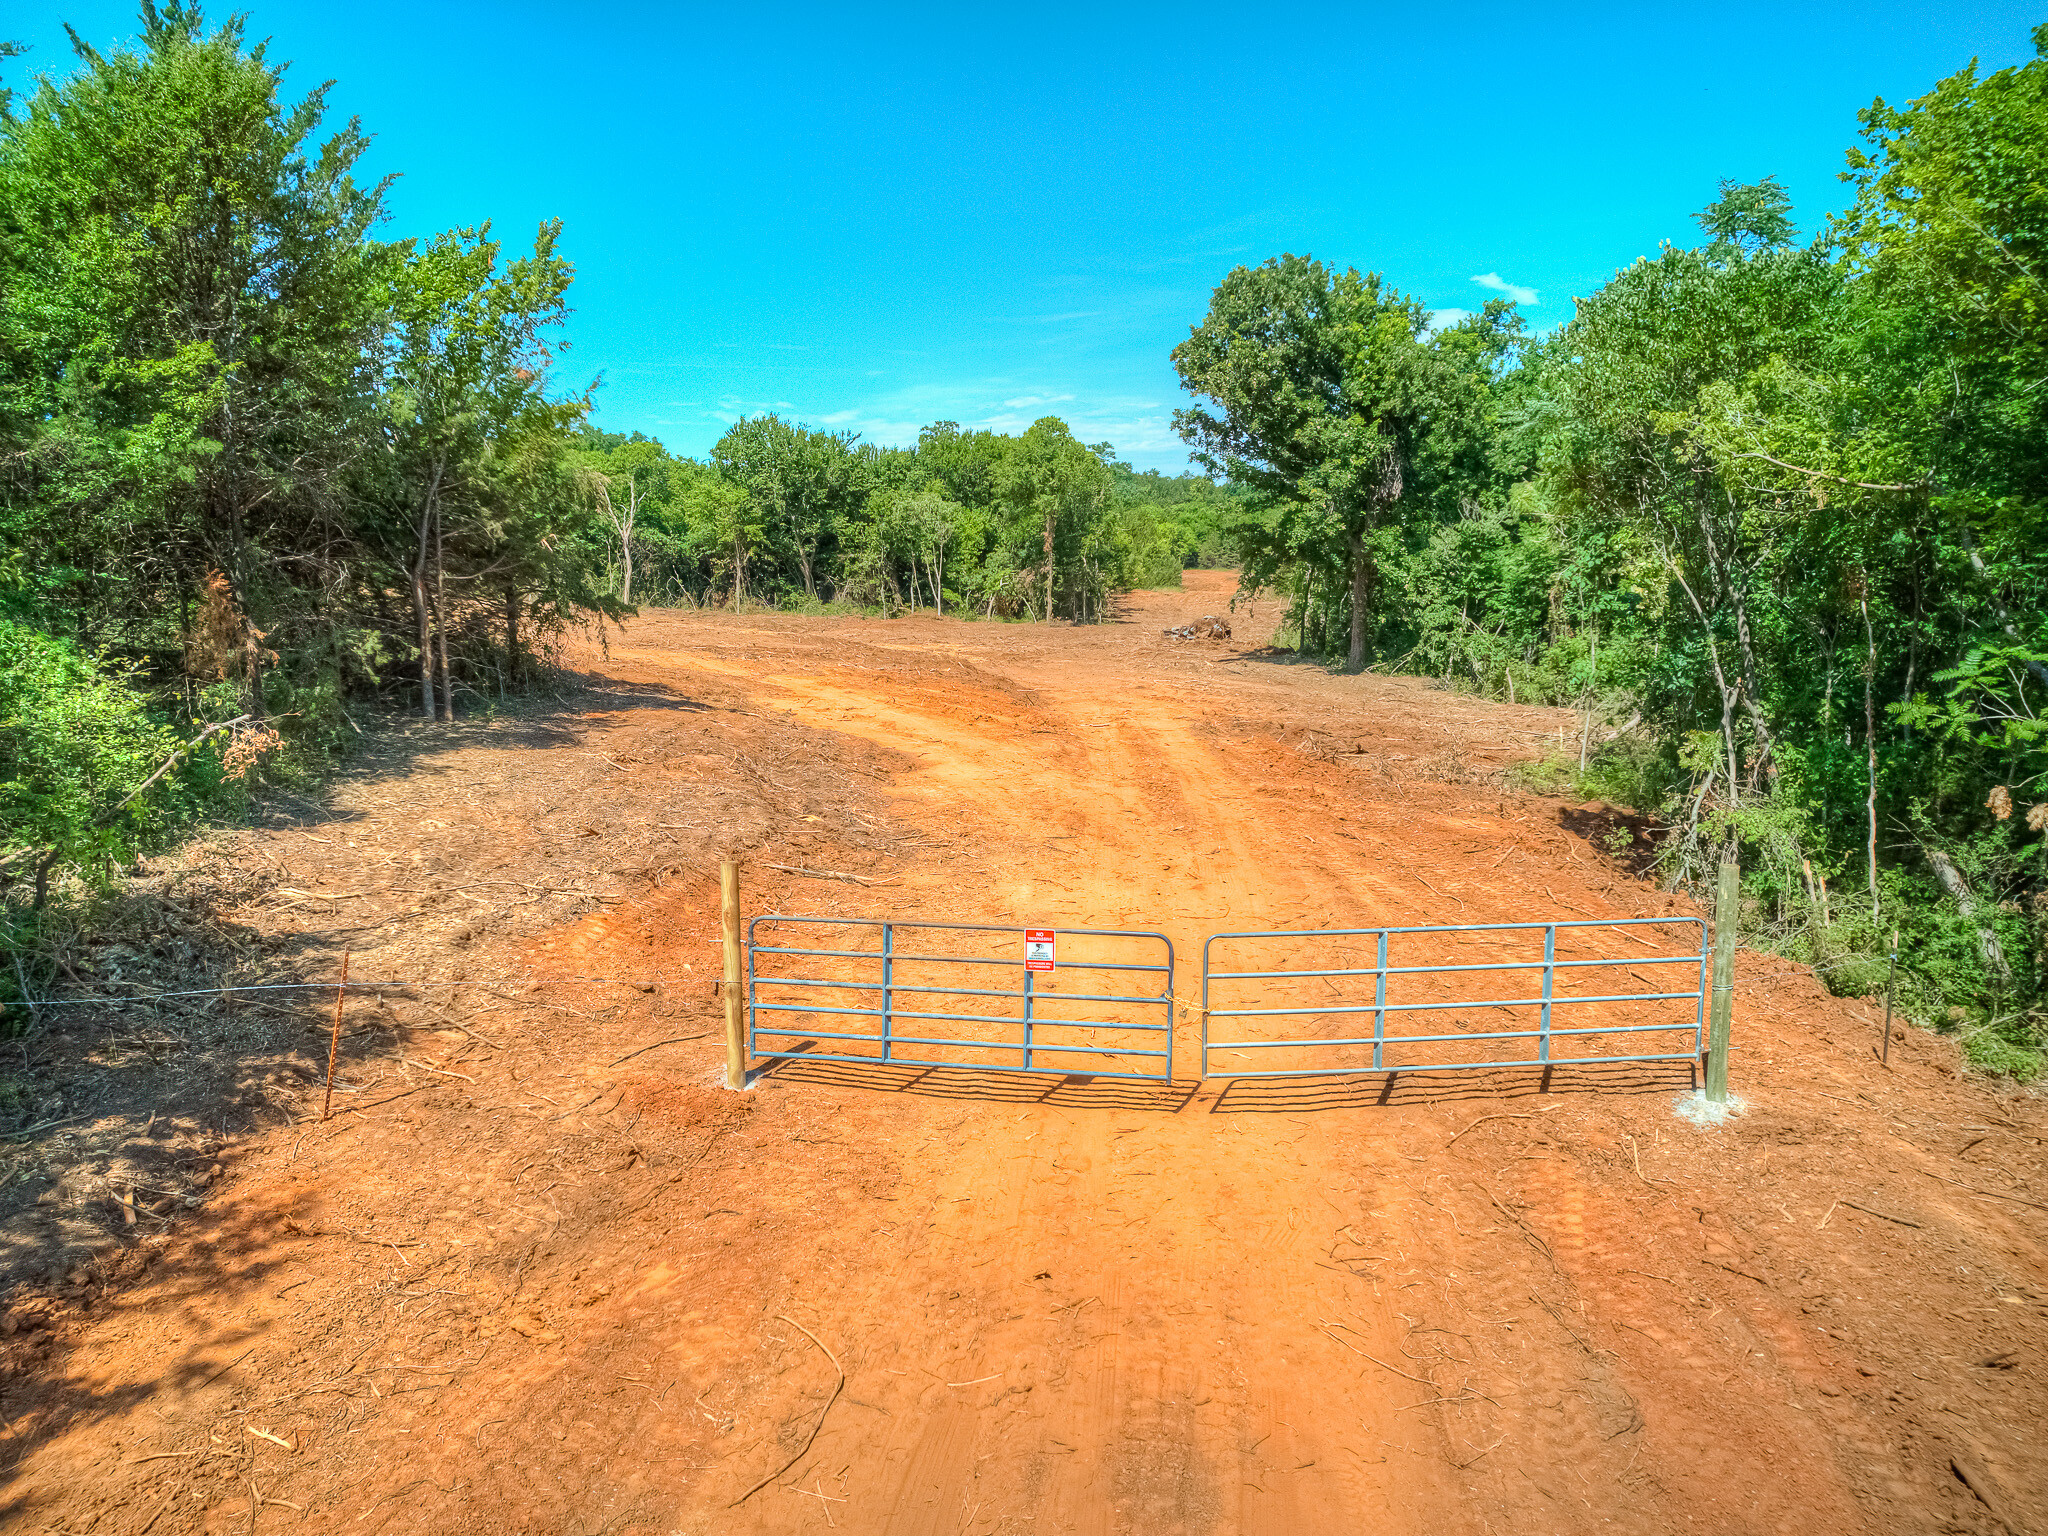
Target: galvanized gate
[1325,983]
[977,1010]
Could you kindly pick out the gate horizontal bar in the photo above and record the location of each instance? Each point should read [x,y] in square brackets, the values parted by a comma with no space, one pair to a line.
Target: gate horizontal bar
[976,1045]
[899,957]
[975,928]
[895,986]
[1462,1066]
[956,1066]
[1478,1002]
[965,1018]
[1463,1034]
[1338,933]
[1417,970]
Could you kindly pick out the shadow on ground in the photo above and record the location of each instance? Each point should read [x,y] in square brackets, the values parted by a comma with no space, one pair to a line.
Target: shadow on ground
[1071,1092]
[1394,1090]
[1239,1096]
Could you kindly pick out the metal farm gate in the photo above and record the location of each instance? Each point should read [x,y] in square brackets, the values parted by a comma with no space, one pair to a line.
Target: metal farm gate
[1084,1011]
[1323,1002]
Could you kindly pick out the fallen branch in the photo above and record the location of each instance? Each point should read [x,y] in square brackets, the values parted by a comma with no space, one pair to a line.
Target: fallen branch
[300,898]
[171,762]
[1432,889]
[1529,1233]
[30,1130]
[216,1376]
[425,1068]
[1759,1279]
[334,1042]
[1636,1155]
[1462,1465]
[672,1040]
[1558,1318]
[827,874]
[1481,1121]
[1421,1381]
[1871,1210]
[837,1387]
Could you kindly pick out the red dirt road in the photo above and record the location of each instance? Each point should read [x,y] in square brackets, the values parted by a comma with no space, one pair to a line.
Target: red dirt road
[530,1282]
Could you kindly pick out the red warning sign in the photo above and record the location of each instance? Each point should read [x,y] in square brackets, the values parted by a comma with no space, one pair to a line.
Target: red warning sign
[1038,949]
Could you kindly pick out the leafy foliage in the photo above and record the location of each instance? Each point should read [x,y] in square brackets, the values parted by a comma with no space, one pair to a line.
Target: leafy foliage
[253,460]
[1772,515]
[76,741]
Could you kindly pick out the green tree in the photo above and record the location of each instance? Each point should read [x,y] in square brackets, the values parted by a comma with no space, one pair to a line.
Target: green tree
[240,437]
[1335,399]
[1054,492]
[807,484]
[467,370]
[190,298]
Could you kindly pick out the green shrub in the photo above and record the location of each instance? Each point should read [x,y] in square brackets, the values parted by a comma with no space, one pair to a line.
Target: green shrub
[76,740]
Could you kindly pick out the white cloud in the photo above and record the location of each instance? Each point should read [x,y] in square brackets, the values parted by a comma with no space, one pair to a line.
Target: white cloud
[1500,285]
[1439,318]
[1140,426]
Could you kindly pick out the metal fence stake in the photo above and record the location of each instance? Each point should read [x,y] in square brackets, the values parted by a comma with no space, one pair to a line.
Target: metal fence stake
[1549,973]
[1030,991]
[1203,1058]
[1379,999]
[888,980]
[729,916]
[1721,1009]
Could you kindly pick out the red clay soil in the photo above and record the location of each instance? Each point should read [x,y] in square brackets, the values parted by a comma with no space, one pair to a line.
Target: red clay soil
[541,1273]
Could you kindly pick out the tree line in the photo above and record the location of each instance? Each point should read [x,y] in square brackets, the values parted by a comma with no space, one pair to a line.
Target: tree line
[261,469]
[1031,525]
[1771,512]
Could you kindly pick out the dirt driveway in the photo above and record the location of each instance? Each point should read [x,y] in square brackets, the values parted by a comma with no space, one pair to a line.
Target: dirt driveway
[540,1273]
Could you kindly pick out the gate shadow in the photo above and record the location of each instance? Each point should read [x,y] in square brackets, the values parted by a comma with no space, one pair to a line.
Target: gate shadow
[1242,1096]
[1420,1086]
[1077,1091]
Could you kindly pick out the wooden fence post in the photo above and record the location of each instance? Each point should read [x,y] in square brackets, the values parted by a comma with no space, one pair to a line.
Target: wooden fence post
[735,1004]
[1721,1002]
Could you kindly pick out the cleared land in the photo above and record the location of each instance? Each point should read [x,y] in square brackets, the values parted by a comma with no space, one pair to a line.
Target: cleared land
[540,1273]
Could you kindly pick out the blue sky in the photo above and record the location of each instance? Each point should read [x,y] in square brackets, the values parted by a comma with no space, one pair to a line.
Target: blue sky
[872,218]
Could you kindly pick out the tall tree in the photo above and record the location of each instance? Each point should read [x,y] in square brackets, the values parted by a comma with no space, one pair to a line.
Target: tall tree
[1055,491]
[468,368]
[805,481]
[190,298]
[1333,396]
